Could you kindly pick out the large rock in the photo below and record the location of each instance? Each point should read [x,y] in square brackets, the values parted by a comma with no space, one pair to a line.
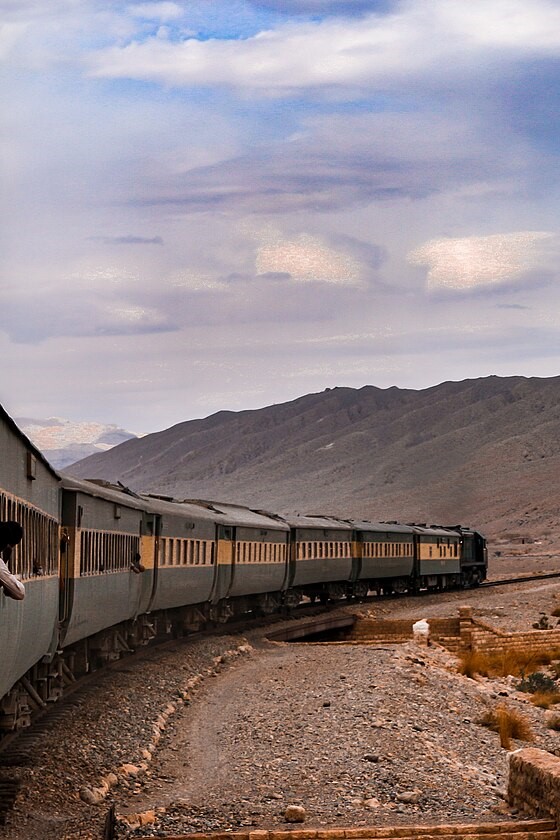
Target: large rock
[295,814]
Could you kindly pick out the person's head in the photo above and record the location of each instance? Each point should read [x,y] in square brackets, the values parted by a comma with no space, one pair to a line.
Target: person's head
[10,534]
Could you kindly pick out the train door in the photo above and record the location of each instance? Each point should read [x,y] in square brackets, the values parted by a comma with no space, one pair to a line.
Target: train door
[70,539]
[65,581]
[150,530]
[416,565]
[357,555]
[225,562]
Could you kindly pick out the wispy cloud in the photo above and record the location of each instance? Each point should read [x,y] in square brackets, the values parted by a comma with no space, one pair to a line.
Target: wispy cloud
[128,240]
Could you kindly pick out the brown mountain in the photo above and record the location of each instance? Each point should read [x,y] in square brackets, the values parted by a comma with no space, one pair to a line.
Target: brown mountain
[484,452]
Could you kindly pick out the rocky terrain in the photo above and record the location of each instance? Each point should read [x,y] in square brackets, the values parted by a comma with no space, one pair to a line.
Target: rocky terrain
[484,452]
[354,735]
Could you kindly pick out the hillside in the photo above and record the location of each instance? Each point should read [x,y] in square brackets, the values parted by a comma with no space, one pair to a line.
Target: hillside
[484,452]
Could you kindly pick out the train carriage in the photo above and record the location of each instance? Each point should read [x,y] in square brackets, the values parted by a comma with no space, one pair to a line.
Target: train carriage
[186,553]
[253,553]
[322,561]
[29,494]
[107,536]
[438,557]
[386,556]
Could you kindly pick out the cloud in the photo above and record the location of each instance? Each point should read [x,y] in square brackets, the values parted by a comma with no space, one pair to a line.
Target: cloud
[337,162]
[90,303]
[127,240]
[307,258]
[479,261]
[379,50]
[10,34]
[342,8]
[156,11]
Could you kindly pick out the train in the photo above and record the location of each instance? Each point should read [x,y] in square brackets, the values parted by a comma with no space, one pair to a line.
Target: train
[107,570]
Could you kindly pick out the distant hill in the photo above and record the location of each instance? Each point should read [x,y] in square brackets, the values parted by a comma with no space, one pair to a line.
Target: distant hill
[484,452]
[63,441]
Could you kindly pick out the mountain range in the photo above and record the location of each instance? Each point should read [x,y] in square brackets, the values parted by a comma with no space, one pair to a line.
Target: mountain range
[484,452]
[64,441]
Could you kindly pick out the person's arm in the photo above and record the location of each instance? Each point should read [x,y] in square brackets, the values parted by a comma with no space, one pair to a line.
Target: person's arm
[13,587]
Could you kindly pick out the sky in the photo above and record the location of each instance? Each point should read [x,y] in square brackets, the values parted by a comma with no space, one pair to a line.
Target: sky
[214,205]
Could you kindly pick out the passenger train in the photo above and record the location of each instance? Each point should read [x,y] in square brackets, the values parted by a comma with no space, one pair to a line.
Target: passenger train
[107,570]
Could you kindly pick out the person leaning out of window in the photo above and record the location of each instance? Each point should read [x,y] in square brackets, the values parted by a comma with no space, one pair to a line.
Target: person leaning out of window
[11,534]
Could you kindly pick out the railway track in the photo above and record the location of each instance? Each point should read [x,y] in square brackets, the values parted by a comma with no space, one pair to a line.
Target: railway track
[526,579]
[85,684]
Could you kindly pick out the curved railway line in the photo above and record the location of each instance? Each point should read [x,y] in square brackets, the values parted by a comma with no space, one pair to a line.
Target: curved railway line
[12,744]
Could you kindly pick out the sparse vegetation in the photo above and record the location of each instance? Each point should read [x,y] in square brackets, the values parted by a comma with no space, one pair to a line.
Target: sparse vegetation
[538,683]
[553,722]
[472,662]
[509,724]
[545,699]
[504,663]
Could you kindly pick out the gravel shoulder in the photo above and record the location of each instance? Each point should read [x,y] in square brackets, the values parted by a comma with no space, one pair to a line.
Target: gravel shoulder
[357,735]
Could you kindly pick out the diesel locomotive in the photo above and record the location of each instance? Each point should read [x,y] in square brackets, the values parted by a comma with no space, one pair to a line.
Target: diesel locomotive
[107,570]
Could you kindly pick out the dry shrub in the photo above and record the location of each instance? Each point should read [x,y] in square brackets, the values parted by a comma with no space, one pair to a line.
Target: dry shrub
[514,662]
[545,699]
[508,723]
[503,663]
[473,662]
[553,722]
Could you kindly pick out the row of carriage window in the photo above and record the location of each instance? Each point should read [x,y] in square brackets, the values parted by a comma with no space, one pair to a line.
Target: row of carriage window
[179,552]
[37,554]
[322,550]
[444,549]
[258,552]
[104,552]
[387,549]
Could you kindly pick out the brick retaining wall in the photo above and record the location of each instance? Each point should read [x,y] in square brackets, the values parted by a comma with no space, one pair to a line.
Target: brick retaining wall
[462,633]
[534,782]
[480,636]
[400,629]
